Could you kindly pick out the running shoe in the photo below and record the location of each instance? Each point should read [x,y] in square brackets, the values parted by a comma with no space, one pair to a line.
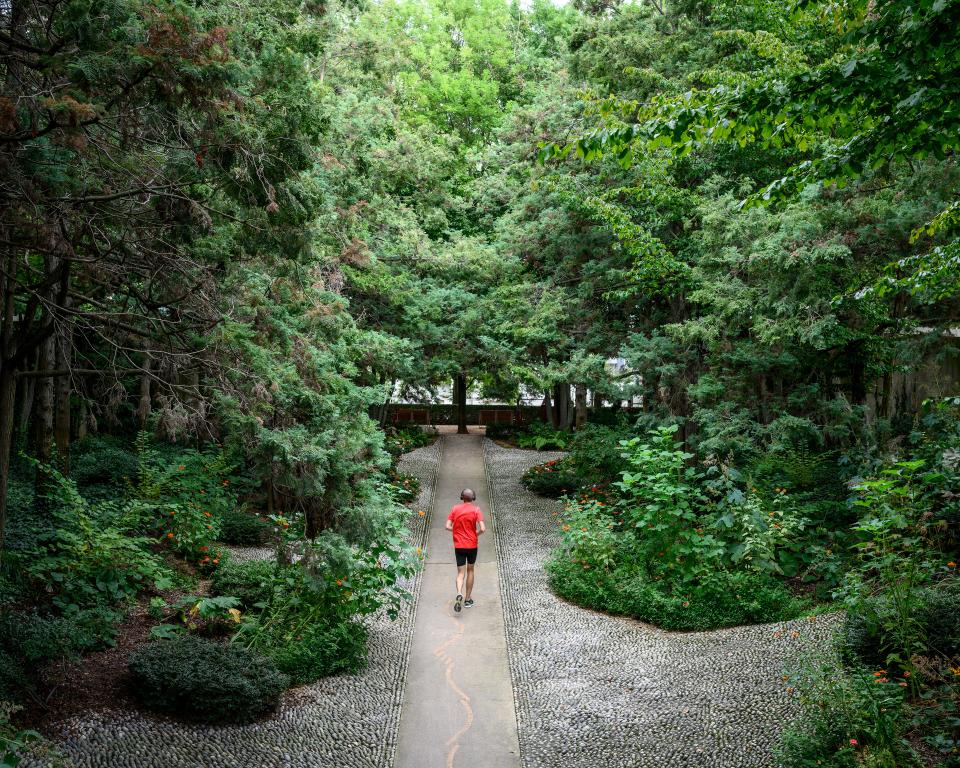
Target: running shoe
[468,603]
[458,603]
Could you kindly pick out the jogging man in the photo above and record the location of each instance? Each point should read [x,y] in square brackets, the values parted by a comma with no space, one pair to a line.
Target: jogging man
[466,522]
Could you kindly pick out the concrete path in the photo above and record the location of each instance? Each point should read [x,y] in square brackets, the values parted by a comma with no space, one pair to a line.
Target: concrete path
[458,708]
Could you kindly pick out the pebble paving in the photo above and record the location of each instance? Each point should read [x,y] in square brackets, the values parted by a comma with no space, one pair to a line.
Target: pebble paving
[595,690]
[347,721]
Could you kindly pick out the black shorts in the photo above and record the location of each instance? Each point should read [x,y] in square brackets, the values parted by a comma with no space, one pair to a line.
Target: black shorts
[465,556]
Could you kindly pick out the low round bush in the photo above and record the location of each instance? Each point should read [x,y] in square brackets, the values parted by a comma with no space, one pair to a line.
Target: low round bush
[205,681]
[250,581]
[244,528]
[323,649]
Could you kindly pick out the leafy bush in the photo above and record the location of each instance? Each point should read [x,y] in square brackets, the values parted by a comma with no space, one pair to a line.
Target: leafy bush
[730,598]
[30,639]
[542,437]
[91,557]
[405,487]
[595,454]
[850,718]
[243,528]
[503,431]
[934,617]
[553,479]
[205,681]
[322,649]
[186,496]
[103,466]
[894,561]
[657,548]
[250,581]
[401,440]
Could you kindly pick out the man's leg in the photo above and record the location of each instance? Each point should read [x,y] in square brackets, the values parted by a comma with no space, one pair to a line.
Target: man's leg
[466,595]
[460,577]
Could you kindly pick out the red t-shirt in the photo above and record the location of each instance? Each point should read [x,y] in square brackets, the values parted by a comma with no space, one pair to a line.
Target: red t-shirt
[465,518]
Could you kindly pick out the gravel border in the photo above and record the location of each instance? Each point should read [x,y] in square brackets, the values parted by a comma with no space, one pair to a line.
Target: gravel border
[596,690]
[346,721]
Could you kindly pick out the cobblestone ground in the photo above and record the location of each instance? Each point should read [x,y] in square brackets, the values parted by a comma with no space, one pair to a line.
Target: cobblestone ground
[348,721]
[594,690]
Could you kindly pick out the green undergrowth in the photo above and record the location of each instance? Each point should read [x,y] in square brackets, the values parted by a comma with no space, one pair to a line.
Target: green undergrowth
[726,599]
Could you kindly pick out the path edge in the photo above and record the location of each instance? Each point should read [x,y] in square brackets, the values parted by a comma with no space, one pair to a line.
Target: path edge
[421,541]
[504,597]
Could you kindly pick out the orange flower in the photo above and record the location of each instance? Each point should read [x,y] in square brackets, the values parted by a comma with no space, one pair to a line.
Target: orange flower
[339,582]
[422,513]
[181,467]
[169,535]
[207,514]
[951,564]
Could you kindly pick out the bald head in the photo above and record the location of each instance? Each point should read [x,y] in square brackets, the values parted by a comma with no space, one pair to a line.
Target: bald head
[467,495]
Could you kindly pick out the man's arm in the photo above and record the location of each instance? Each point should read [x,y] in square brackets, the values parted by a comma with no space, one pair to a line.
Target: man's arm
[481,528]
[449,524]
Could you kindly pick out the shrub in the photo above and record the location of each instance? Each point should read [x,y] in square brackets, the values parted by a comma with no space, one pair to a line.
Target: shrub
[503,431]
[90,558]
[543,437]
[401,440]
[322,649]
[205,681]
[553,479]
[730,598]
[850,718]
[102,466]
[250,581]
[243,528]
[595,454]
[28,640]
[185,496]
[405,487]
[935,618]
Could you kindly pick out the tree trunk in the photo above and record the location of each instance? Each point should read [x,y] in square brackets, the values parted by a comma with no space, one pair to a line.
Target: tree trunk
[28,388]
[8,390]
[597,404]
[62,420]
[145,403]
[82,419]
[581,406]
[460,398]
[45,401]
[8,382]
[562,415]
